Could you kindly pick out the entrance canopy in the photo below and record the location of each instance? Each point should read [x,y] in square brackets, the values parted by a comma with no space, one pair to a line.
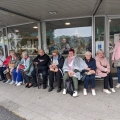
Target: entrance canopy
[14,12]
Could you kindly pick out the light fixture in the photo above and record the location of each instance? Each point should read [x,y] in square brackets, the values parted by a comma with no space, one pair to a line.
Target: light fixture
[35,27]
[16,31]
[109,20]
[53,12]
[67,23]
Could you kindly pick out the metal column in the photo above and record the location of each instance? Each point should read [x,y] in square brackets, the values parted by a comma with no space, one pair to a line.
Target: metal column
[8,47]
[39,36]
[3,43]
[93,36]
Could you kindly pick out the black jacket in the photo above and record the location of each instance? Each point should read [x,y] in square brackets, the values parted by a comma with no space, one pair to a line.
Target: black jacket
[60,61]
[44,64]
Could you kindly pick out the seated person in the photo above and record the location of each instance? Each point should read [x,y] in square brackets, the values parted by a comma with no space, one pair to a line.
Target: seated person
[41,61]
[55,66]
[6,63]
[103,70]
[27,69]
[14,61]
[90,73]
[72,67]
[2,59]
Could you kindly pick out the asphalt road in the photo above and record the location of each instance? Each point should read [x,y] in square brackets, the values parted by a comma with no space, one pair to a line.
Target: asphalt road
[5,114]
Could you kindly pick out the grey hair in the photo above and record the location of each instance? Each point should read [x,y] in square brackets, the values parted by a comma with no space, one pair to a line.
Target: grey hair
[25,53]
[100,50]
[88,52]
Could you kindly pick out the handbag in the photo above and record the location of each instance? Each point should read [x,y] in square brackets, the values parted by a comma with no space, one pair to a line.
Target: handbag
[21,67]
[11,65]
[117,63]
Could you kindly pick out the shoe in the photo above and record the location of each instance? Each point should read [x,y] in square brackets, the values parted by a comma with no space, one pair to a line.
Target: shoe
[12,82]
[58,90]
[29,86]
[118,85]
[16,83]
[4,81]
[44,87]
[50,89]
[112,89]
[84,92]
[19,83]
[93,92]
[26,86]
[75,94]
[1,79]
[107,91]
[35,85]
[8,81]
[64,91]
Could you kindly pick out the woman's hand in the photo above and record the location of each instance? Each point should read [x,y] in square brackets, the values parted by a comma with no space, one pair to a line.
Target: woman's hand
[92,71]
[112,61]
[71,74]
[87,68]
[108,71]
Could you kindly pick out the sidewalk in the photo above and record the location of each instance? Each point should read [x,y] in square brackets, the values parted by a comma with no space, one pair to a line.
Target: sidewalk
[39,104]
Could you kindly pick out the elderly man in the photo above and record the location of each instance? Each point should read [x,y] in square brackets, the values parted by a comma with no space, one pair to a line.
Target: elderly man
[42,61]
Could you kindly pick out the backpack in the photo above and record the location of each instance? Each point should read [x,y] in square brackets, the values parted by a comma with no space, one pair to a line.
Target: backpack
[69,86]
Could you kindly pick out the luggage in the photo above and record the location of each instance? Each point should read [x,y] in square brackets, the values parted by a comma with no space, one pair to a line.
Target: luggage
[69,86]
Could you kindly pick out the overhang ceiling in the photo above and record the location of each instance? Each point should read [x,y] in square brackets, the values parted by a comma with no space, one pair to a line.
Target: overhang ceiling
[24,11]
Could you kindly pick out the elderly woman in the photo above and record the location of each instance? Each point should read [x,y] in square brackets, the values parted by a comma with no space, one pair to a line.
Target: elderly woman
[14,61]
[55,66]
[90,73]
[72,67]
[103,70]
[26,67]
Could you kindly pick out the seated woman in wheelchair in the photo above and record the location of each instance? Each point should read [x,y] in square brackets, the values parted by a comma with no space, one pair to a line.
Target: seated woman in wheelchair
[55,66]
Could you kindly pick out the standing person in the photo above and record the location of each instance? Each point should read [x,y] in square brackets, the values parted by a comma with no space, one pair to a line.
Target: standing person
[42,61]
[72,67]
[90,71]
[55,66]
[2,59]
[103,70]
[116,56]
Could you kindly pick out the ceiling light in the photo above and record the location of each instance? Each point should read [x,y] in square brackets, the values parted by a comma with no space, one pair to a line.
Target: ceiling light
[16,30]
[35,27]
[53,12]
[67,23]
[109,20]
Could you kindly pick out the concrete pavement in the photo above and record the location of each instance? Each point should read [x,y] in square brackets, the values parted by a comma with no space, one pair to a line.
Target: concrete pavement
[39,104]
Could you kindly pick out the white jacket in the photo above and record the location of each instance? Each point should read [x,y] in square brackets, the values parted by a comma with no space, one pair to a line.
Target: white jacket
[2,59]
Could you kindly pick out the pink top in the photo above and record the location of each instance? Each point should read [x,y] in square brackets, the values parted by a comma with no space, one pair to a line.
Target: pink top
[100,62]
[116,52]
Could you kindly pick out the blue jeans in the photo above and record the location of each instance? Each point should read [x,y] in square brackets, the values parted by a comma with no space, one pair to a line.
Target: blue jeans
[89,79]
[17,76]
[118,70]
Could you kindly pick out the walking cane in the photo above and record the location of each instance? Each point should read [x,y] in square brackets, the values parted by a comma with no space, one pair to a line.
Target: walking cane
[38,79]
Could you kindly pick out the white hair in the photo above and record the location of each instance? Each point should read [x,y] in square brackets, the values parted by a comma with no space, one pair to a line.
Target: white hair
[25,53]
[88,52]
[100,50]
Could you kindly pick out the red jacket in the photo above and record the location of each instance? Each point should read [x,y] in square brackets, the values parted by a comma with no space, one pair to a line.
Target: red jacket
[6,62]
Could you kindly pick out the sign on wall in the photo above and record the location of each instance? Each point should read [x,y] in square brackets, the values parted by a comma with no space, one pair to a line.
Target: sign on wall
[99,45]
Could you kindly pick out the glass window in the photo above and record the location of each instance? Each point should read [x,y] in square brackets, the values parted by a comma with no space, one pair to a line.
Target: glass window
[66,34]
[24,37]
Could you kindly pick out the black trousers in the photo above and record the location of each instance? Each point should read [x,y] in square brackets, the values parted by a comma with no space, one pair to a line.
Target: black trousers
[1,73]
[44,76]
[108,79]
[58,77]
[26,78]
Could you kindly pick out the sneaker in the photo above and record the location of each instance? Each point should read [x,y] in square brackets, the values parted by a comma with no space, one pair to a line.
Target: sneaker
[93,92]
[84,92]
[112,89]
[12,82]
[75,94]
[16,83]
[19,83]
[64,91]
[106,91]
[118,85]
[8,81]
[58,90]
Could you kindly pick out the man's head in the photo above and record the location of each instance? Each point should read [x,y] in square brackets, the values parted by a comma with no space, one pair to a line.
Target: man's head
[41,52]
[63,40]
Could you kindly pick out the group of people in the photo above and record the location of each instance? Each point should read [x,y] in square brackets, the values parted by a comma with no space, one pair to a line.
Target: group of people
[16,70]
